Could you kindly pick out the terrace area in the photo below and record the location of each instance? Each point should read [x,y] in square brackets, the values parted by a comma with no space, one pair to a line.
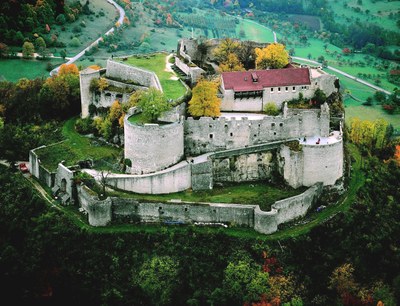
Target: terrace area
[159,63]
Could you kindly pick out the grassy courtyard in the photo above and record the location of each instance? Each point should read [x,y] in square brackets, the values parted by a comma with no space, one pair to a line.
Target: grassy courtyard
[257,193]
[75,148]
[172,88]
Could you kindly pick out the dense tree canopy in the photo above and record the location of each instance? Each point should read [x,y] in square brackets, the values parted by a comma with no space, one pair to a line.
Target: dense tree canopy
[273,56]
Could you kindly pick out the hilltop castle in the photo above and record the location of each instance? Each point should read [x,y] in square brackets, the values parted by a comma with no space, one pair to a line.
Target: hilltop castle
[183,153]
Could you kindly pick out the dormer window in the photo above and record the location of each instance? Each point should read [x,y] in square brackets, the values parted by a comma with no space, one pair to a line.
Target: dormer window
[254,76]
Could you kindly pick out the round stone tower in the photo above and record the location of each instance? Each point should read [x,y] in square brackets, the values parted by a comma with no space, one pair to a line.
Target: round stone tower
[153,147]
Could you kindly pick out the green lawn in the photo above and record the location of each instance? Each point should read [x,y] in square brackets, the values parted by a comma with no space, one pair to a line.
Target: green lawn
[74,149]
[14,69]
[173,89]
[255,31]
[259,193]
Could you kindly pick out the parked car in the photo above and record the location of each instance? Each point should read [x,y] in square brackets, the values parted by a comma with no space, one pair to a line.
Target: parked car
[23,168]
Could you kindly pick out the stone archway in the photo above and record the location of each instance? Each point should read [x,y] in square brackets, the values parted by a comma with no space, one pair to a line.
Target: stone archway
[63,186]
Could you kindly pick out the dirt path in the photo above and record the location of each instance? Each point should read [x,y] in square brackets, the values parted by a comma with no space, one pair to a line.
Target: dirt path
[168,67]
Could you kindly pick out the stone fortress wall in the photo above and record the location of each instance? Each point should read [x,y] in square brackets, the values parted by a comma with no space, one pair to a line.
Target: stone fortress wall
[129,73]
[137,79]
[231,150]
[101,213]
[209,135]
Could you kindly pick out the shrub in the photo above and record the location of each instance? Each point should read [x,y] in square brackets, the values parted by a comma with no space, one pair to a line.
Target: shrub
[271,109]
[76,29]
[75,42]
[128,162]
[84,126]
[61,19]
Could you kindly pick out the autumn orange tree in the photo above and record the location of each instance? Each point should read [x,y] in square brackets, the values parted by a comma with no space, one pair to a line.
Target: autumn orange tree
[68,69]
[273,56]
[204,100]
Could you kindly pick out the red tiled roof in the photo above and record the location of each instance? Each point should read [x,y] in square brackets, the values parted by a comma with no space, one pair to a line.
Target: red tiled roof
[243,80]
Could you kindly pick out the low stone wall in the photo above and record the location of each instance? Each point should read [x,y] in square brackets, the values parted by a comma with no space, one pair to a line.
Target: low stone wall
[285,210]
[130,210]
[174,179]
[129,73]
[38,171]
[193,72]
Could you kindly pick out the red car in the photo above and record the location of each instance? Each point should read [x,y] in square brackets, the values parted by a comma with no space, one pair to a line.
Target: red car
[23,167]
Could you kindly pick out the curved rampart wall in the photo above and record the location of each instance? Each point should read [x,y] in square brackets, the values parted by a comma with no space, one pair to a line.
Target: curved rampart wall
[131,210]
[153,147]
[209,135]
[282,211]
[174,179]
[323,163]
[129,73]
[314,163]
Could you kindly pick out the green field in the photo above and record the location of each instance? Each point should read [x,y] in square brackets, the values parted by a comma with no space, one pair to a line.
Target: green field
[255,31]
[378,12]
[355,108]
[75,148]
[173,89]
[349,64]
[14,69]
[95,26]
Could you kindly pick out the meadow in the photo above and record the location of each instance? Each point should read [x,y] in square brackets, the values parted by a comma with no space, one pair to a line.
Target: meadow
[13,69]
[374,12]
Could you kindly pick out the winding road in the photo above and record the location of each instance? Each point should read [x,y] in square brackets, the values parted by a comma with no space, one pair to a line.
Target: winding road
[80,54]
[344,74]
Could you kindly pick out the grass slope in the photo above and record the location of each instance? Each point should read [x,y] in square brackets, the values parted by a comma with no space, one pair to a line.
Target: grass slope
[173,89]
[74,149]
[259,193]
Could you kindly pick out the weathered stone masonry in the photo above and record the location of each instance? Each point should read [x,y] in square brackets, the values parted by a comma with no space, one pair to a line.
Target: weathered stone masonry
[104,212]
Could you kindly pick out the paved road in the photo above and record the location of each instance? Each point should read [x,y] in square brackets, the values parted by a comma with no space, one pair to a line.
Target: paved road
[80,54]
[344,74]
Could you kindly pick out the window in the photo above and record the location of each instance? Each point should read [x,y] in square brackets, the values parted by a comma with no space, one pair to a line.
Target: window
[211,136]
[286,89]
[316,83]
[272,90]
[279,89]
[231,134]
[272,124]
[294,88]
[281,124]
